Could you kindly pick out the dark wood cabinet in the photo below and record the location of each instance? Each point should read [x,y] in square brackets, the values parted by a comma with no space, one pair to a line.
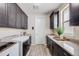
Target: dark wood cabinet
[26,21]
[26,46]
[12,16]
[74,14]
[19,18]
[49,45]
[52,21]
[55,49]
[23,21]
[61,52]
[3,15]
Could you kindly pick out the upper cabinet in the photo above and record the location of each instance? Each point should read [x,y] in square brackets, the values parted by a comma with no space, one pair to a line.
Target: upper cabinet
[3,15]
[11,10]
[74,14]
[19,18]
[22,19]
[12,16]
[54,20]
[24,24]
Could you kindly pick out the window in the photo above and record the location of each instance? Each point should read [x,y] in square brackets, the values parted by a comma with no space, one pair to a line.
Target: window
[65,16]
[55,20]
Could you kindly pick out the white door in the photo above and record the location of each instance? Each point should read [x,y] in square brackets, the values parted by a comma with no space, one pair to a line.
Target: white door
[39,30]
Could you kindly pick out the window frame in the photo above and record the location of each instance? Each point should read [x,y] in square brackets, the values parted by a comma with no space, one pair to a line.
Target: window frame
[67,21]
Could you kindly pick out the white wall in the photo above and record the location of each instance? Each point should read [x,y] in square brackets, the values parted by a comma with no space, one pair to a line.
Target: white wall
[9,31]
[31,22]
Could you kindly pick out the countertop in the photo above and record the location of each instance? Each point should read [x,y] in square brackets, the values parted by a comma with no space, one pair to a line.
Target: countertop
[6,45]
[15,38]
[69,46]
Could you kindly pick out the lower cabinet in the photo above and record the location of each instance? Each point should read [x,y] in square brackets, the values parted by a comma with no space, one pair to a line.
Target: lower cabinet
[26,46]
[59,51]
[62,52]
[49,45]
[55,49]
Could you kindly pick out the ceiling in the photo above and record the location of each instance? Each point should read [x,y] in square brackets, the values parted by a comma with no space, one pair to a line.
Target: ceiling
[38,8]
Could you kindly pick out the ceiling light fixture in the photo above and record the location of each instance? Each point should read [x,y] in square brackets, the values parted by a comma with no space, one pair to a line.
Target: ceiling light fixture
[36,5]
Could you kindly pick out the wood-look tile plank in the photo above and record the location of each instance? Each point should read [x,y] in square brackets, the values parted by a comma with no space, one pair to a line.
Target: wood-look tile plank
[38,50]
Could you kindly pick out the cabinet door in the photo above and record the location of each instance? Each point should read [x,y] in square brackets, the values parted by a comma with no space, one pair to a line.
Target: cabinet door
[49,45]
[11,8]
[63,52]
[54,49]
[3,15]
[23,21]
[52,21]
[26,21]
[19,18]
[26,46]
[74,14]
[59,51]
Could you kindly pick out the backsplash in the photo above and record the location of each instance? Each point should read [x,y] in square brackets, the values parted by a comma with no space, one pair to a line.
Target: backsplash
[75,34]
[10,31]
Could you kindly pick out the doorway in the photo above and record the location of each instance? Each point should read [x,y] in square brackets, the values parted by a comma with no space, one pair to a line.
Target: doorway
[39,30]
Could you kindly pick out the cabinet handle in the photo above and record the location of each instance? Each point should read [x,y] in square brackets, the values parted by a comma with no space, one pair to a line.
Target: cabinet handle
[7,54]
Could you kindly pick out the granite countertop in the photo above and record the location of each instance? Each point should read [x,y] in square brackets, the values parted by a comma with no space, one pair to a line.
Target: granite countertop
[14,38]
[6,45]
[68,45]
